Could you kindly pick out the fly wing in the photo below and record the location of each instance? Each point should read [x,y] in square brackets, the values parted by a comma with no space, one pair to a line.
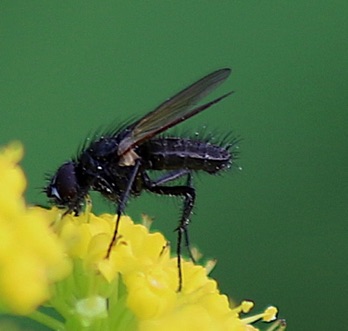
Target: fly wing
[174,110]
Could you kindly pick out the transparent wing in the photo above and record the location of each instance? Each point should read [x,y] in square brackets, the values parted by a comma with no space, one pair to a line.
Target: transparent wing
[174,110]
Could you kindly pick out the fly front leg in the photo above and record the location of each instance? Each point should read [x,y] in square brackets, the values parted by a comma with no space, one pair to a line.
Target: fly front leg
[189,194]
[122,204]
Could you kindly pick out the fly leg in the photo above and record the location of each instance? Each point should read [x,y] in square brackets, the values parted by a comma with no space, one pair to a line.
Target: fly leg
[186,234]
[189,194]
[170,176]
[122,204]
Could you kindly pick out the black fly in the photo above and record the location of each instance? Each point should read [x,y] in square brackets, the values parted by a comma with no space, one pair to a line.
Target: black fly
[117,164]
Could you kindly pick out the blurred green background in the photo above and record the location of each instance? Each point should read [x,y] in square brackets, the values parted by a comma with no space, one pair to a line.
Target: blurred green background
[278,227]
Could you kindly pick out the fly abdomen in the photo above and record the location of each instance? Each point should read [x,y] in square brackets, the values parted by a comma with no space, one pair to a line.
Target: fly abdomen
[179,153]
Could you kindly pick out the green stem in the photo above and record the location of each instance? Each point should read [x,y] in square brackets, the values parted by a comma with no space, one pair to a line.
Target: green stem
[47,320]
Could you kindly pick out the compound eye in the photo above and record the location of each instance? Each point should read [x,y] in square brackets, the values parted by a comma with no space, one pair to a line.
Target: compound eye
[63,186]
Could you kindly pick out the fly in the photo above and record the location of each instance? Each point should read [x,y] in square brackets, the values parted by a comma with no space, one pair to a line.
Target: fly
[117,164]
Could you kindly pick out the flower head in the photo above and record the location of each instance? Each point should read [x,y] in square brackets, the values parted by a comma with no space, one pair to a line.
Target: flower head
[31,255]
[140,279]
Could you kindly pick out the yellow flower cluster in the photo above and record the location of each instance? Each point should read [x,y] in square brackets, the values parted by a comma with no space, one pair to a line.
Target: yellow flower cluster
[150,275]
[31,256]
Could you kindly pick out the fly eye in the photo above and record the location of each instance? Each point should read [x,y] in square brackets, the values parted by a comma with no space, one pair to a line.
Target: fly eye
[63,186]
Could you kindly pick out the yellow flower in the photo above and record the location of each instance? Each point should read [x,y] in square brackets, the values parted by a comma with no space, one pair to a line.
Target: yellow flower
[31,256]
[140,280]
[60,261]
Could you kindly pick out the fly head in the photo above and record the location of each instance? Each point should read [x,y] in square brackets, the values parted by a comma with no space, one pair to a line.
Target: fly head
[64,189]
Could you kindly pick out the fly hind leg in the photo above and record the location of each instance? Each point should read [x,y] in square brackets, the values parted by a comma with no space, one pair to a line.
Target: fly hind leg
[188,204]
[189,195]
[187,211]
